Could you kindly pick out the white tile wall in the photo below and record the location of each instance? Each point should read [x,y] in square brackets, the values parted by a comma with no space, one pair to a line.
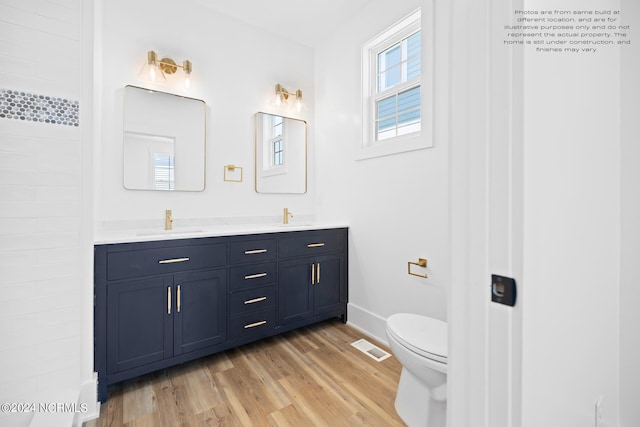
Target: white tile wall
[40,208]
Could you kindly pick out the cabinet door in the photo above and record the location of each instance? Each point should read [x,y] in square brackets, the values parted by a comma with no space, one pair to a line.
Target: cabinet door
[295,295]
[328,294]
[201,310]
[139,323]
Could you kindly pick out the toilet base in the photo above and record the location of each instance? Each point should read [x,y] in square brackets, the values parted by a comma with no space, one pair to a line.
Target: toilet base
[415,405]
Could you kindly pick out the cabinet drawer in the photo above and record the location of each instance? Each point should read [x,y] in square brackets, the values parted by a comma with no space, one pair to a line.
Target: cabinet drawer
[309,243]
[257,250]
[254,324]
[249,276]
[147,262]
[252,299]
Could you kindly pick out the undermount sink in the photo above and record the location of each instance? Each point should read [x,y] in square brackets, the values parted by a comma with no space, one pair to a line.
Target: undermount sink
[167,232]
[296,224]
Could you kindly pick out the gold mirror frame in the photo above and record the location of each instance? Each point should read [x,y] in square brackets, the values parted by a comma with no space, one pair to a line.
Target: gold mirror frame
[164,141]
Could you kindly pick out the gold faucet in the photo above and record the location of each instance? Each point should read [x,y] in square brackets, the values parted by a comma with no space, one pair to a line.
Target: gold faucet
[287,214]
[168,220]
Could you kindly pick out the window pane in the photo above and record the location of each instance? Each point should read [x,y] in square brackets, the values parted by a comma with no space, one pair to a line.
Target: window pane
[389,58]
[278,151]
[389,67]
[399,63]
[163,172]
[409,122]
[409,99]
[386,107]
[390,77]
[410,126]
[398,114]
[392,72]
[409,111]
[414,45]
[392,56]
[386,128]
[408,117]
[277,159]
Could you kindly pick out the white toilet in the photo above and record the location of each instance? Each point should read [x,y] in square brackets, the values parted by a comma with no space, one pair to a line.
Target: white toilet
[420,344]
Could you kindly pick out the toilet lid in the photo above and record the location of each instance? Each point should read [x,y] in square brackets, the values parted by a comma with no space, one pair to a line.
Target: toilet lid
[421,334]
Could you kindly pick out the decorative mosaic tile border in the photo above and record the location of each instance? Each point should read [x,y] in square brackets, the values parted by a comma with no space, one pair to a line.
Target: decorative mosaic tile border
[38,108]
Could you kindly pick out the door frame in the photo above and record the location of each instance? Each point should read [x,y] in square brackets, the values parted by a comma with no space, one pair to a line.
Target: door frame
[486,208]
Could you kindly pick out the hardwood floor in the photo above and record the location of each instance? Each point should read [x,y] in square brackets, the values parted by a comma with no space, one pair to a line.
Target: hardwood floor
[309,377]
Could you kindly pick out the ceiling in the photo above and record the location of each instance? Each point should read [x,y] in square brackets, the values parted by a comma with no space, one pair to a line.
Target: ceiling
[305,21]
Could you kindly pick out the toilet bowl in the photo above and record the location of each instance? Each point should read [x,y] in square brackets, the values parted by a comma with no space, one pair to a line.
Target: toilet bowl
[420,344]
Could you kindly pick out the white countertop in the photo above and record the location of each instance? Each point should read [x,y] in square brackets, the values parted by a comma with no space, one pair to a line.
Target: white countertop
[149,235]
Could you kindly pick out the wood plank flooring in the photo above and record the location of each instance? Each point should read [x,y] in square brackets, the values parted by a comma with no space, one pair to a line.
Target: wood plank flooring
[309,377]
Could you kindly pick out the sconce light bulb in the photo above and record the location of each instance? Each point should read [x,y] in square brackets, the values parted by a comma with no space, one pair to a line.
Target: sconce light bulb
[298,100]
[278,100]
[187,67]
[152,64]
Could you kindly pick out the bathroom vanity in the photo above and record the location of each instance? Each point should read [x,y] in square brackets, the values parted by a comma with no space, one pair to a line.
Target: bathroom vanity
[160,303]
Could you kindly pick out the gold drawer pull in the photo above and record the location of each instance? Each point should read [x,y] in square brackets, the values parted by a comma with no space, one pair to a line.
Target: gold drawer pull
[255,300]
[171,261]
[254,276]
[253,325]
[169,300]
[255,251]
[315,245]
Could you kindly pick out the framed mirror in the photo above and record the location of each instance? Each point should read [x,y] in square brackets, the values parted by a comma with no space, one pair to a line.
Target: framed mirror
[164,141]
[281,154]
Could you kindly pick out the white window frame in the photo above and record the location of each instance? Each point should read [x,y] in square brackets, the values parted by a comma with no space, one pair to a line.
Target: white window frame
[419,20]
[395,90]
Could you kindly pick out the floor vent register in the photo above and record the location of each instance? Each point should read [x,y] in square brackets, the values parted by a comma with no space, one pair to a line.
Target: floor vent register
[374,352]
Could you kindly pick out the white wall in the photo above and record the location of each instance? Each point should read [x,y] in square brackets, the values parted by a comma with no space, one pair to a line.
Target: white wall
[235,69]
[45,284]
[397,205]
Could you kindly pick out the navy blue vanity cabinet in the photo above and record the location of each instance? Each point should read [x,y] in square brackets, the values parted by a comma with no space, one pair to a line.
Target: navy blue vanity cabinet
[162,303]
[312,277]
[146,316]
[200,316]
[252,288]
[139,329]
[157,304]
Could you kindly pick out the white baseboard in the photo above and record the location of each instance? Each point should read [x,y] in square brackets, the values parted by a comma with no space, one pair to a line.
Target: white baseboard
[368,323]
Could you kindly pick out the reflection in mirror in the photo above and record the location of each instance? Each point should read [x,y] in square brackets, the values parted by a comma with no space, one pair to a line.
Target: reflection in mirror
[164,141]
[281,154]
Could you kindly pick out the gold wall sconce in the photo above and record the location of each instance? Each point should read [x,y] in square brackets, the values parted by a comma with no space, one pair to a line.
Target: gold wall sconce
[282,96]
[154,69]
[233,173]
